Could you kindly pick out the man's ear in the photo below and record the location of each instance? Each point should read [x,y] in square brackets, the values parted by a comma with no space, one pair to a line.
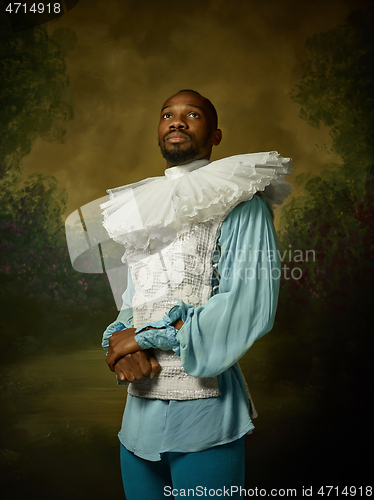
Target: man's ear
[216,137]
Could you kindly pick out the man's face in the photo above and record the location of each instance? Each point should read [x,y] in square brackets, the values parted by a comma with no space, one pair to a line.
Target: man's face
[186,131]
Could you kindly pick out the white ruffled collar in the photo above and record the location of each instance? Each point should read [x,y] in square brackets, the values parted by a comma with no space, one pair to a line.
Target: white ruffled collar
[179,170]
[189,194]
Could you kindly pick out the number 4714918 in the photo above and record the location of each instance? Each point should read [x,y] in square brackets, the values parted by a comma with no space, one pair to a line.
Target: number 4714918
[36,8]
[348,491]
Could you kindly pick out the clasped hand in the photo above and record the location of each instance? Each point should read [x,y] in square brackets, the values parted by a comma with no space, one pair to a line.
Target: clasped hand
[127,359]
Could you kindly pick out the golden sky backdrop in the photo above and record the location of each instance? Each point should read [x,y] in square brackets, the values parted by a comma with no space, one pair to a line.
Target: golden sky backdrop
[130,56]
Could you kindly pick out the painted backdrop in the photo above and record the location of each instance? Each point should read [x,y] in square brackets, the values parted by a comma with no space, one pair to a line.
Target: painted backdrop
[80,101]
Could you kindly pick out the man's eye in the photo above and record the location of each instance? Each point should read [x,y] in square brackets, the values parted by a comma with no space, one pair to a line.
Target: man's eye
[166,115]
[194,115]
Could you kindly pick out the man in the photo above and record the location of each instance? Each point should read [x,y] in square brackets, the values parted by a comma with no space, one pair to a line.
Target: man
[203,286]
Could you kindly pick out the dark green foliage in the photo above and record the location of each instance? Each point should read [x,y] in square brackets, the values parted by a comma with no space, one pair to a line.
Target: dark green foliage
[36,275]
[33,82]
[35,270]
[324,319]
[46,305]
[333,222]
[337,88]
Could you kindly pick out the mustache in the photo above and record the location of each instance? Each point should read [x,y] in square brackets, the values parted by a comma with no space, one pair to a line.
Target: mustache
[184,134]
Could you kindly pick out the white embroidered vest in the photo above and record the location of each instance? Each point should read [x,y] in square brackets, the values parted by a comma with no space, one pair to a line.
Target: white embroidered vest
[181,270]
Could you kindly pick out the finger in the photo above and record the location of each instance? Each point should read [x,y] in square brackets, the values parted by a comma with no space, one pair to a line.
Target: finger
[113,355]
[120,375]
[110,361]
[141,358]
[131,368]
[110,357]
[155,366]
[111,366]
[123,371]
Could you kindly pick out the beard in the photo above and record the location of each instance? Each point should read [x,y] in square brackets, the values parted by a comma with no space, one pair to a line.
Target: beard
[179,156]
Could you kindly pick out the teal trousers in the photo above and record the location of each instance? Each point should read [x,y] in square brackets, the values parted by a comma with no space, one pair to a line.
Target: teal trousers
[215,472]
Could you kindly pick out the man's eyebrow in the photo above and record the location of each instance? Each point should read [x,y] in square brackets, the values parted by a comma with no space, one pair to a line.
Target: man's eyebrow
[191,105]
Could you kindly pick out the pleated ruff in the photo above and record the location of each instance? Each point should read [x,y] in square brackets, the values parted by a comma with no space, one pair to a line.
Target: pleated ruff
[159,207]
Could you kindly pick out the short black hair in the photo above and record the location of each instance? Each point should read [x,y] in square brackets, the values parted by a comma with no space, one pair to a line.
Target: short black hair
[209,104]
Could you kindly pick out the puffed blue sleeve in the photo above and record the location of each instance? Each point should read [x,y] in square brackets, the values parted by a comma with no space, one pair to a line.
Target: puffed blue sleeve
[216,335]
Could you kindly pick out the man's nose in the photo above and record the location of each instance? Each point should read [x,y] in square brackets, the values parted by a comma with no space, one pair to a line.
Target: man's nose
[178,123]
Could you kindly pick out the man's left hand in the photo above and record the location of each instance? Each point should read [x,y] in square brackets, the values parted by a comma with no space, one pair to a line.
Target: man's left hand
[121,343]
[136,366]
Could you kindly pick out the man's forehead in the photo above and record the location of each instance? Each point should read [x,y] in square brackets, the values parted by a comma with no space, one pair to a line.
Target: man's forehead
[188,99]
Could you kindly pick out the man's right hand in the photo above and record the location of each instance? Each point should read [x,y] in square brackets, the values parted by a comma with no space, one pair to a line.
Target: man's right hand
[136,366]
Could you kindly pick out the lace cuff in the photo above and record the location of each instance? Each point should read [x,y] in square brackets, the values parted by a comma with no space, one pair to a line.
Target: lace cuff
[163,337]
[113,327]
